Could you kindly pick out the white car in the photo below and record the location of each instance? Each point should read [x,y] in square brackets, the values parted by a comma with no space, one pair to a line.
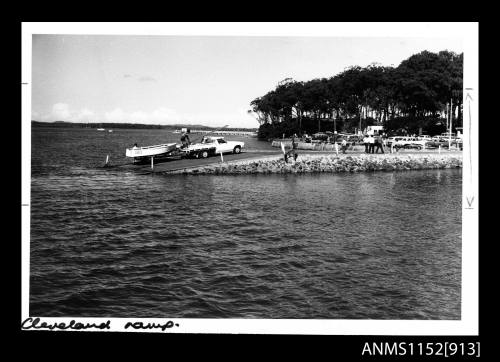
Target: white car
[424,137]
[393,140]
[223,146]
[409,142]
[210,146]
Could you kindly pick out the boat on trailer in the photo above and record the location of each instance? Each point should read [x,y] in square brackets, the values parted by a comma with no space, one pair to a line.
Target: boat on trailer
[143,154]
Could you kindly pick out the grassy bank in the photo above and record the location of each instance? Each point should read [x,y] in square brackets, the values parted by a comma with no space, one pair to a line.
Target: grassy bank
[330,164]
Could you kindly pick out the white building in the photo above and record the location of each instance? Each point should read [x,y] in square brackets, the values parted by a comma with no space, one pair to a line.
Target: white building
[374,129]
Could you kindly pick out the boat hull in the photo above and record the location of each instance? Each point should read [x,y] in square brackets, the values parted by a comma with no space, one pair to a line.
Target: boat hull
[156,150]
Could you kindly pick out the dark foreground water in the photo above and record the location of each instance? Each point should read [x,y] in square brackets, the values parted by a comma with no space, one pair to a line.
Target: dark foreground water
[117,244]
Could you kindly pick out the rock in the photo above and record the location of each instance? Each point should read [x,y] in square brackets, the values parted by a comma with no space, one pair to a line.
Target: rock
[331,164]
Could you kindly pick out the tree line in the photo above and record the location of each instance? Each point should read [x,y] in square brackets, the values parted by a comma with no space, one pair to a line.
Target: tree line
[418,95]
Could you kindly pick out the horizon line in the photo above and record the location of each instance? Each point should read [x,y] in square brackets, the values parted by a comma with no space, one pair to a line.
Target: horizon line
[142,124]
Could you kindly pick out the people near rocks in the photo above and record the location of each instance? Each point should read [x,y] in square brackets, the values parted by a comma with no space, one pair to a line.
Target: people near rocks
[371,144]
[185,140]
[293,150]
[379,144]
[344,145]
[366,141]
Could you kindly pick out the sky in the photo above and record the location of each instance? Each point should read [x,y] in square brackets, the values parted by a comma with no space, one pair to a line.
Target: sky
[208,80]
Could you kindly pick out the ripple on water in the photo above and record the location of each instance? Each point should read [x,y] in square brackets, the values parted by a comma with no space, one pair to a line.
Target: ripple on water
[378,246]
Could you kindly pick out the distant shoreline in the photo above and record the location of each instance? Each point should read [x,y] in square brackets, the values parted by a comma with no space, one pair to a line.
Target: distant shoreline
[62,124]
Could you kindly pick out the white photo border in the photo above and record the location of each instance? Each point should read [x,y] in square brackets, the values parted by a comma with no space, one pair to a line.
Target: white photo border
[468,32]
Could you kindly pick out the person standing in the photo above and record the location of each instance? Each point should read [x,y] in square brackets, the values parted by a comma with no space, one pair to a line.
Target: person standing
[294,147]
[366,141]
[378,144]
[371,144]
[185,140]
[292,151]
[344,145]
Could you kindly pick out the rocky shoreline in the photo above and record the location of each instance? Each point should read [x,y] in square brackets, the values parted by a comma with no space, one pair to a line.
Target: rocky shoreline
[329,164]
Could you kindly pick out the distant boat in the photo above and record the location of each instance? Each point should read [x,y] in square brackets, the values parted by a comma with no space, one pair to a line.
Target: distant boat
[177,131]
[110,130]
[101,129]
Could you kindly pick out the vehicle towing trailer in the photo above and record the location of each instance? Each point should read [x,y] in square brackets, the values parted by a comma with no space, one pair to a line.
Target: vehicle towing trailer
[198,151]
[143,155]
[210,146]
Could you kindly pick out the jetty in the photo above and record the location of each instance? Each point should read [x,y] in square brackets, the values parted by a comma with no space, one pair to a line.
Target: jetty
[225,133]
[272,162]
[329,163]
[173,164]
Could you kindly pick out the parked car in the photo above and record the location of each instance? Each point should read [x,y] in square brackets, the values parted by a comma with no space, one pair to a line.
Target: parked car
[339,139]
[447,135]
[351,138]
[320,136]
[408,143]
[390,140]
[354,139]
[306,138]
[424,137]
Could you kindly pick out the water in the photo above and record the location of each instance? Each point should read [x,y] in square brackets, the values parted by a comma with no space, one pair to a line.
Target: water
[380,245]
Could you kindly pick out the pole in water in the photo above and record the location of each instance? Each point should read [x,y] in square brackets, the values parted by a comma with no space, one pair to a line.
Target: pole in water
[336,148]
[152,164]
[107,159]
[221,158]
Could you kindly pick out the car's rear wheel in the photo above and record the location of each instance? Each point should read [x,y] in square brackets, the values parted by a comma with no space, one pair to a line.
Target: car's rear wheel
[237,149]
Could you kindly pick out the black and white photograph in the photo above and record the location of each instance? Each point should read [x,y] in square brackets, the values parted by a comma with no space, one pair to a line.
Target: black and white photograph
[257,178]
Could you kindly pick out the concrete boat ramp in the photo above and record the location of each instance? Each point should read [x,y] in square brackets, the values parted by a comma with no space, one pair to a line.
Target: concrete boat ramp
[177,163]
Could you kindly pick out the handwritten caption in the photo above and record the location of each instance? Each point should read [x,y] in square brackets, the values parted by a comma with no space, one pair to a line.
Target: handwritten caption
[38,324]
